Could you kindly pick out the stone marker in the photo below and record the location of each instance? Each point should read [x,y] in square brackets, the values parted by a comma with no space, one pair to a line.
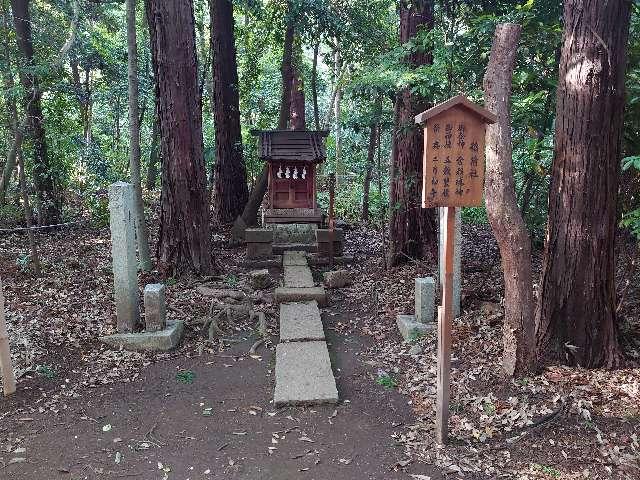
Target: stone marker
[293,233]
[123,248]
[155,307]
[303,374]
[287,294]
[457,277]
[260,279]
[298,277]
[259,243]
[163,340]
[425,296]
[300,322]
[323,238]
[410,329]
[337,278]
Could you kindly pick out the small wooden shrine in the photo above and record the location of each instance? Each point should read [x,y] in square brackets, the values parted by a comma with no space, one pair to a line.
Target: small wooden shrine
[292,157]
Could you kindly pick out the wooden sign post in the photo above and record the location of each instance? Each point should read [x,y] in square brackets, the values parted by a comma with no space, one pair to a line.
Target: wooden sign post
[6,368]
[332,221]
[452,176]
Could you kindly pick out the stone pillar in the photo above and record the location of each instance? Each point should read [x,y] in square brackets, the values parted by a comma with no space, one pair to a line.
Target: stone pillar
[155,307]
[123,248]
[323,237]
[457,251]
[425,297]
[259,243]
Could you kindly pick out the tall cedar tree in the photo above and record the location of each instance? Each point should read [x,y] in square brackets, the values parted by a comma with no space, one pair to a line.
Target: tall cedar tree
[44,174]
[412,230]
[230,175]
[250,212]
[184,242]
[576,316]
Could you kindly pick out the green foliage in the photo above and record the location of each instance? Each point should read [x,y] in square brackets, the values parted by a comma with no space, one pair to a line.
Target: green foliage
[98,207]
[185,376]
[46,371]
[386,381]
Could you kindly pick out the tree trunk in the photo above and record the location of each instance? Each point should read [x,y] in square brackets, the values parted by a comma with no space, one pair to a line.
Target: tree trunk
[297,113]
[508,226]
[44,174]
[154,154]
[142,234]
[249,215]
[16,142]
[314,85]
[230,177]
[184,242]
[412,230]
[286,71]
[28,216]
[371,152]
[576,315]
[337,112]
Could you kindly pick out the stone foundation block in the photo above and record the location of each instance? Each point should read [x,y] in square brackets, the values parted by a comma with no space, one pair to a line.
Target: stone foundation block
[337,278]
[155,307]
[410,329]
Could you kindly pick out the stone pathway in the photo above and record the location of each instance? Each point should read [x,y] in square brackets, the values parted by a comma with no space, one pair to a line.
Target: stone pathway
[303,366]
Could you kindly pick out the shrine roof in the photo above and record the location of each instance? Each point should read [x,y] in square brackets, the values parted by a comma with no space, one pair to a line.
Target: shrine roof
[459,100]
[291,145]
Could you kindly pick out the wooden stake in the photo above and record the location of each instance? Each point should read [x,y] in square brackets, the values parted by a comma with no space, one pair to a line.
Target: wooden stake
[332,222]
[6,368]
[445,319]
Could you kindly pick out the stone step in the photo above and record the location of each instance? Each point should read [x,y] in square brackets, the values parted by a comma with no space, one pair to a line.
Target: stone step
[300,322]
[289,295]
[281,248]
[304,375]
[298,277]
[294,257]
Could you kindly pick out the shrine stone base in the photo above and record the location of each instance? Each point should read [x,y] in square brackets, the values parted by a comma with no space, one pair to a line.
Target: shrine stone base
[324,237]
[292,233]
[259,243]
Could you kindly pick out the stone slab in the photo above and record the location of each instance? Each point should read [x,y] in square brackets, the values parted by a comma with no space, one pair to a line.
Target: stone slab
[300,322]
[258,235]
[324,235]
[280,248]
[304,375]
[161,341]
[293,232]
[259,250]
[410,329]
[273,262]
[298,277]
[425,299]
[287,295]
[323,249]
[314,260]
[294,257]
[155,307]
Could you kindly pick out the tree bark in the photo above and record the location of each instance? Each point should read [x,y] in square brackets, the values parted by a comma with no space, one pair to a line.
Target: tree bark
[297,113]
[154,154]
[28,216]
[184,242]
[508,226]
[337,112]
[366,186]
[576,314]
[230,174]
[412,230]
[142,234]
[314,85]
[44,173]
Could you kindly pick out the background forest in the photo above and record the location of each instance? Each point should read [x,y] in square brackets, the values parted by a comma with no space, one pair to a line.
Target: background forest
[358,69]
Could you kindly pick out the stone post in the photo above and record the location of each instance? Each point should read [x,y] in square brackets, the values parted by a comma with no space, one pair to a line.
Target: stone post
[425,296]
[457,251]
[155,307]
[123,248]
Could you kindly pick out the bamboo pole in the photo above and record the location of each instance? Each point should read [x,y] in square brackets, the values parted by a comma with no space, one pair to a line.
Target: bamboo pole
[8,377]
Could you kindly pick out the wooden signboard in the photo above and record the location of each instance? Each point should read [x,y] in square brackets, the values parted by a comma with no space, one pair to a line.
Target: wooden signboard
[453,176]
[453,164]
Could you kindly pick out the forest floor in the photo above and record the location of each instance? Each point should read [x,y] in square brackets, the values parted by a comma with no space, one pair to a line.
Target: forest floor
[83,410]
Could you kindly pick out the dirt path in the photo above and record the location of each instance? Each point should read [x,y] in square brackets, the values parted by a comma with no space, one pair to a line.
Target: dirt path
[223,423]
